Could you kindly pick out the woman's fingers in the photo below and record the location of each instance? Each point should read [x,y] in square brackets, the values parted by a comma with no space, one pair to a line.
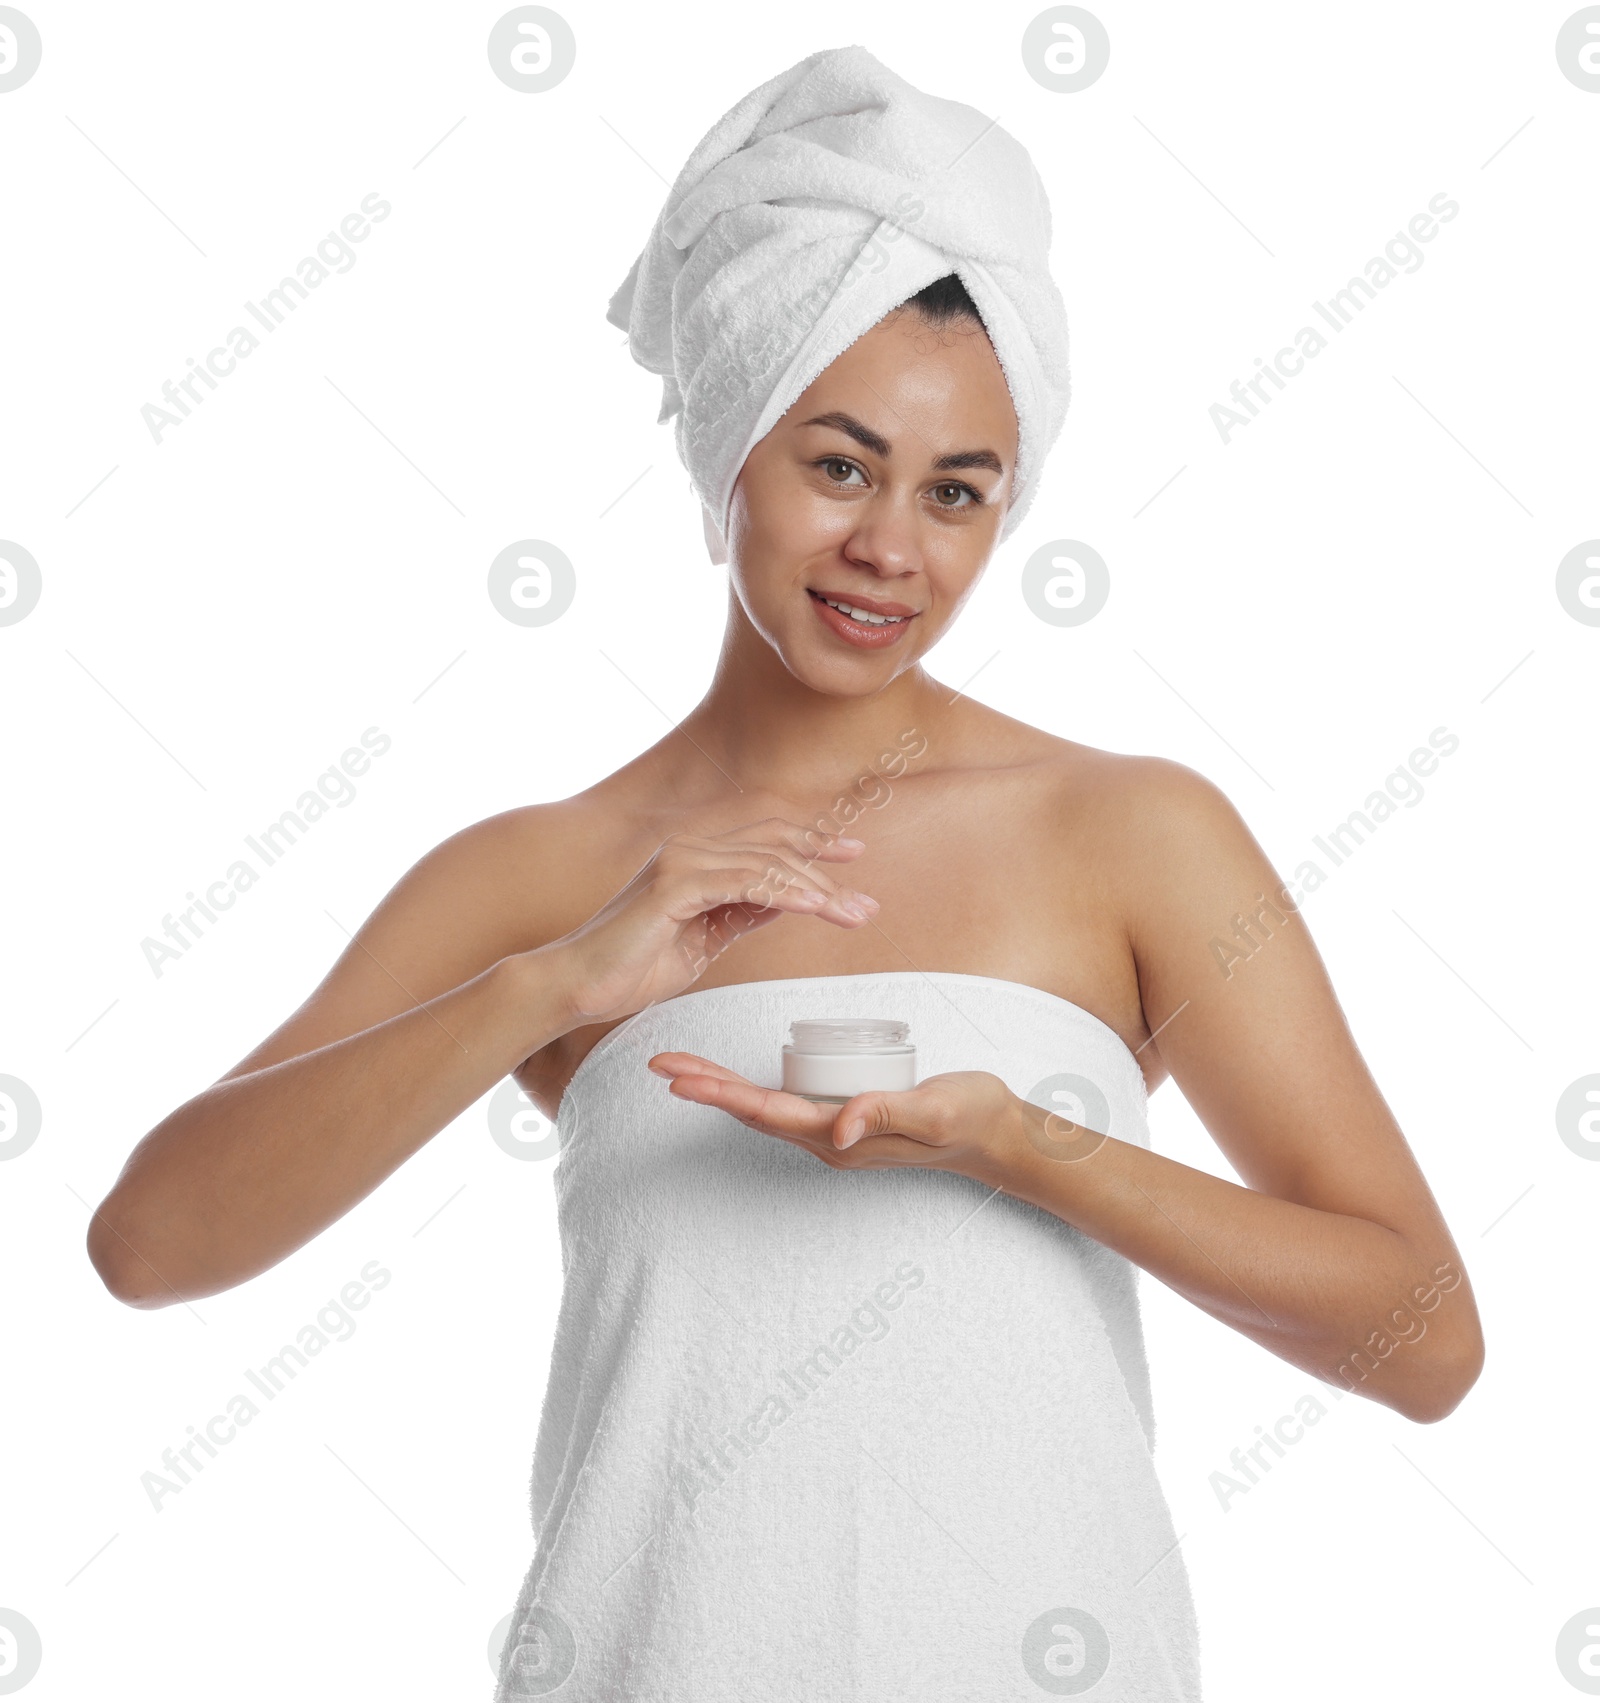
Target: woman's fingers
[960,1120]
[911,1113]
[922,1126]
[784,857]
[673,1065]
[724,924]
[692,899]
[771,872]
[689,888]
[806,841]
[837,848]
[957,1120]
[769,1110]
[779,857]
[692,887]
[890,1123]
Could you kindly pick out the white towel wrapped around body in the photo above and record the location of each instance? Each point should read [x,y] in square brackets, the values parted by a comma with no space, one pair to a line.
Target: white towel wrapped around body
[818,1436]
[820,202]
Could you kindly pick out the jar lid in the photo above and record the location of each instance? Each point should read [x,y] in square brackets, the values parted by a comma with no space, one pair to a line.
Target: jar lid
[848,1034]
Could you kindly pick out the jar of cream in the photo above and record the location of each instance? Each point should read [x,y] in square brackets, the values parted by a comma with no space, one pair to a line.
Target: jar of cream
[830,1059]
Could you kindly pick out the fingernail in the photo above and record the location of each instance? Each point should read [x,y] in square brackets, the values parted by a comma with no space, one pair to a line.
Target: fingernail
[845,840]
[865,900]
[849,908]
[852,1132]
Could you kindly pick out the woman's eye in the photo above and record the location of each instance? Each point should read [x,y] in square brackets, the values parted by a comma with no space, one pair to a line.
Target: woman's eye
[949,496]
[839,470]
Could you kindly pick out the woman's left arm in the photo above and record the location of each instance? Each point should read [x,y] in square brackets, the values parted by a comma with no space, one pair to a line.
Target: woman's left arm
[1333,1255]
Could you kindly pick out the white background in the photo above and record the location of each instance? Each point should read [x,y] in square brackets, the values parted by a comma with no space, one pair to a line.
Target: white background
[306,556]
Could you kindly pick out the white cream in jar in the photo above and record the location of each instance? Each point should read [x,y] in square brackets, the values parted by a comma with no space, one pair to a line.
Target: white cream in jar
[829,1059]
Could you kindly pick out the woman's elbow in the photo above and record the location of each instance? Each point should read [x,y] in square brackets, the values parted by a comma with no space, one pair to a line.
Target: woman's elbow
[127,1277]
[1451,1371]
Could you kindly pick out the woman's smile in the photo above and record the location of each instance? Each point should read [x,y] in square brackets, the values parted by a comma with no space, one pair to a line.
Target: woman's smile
[866,622]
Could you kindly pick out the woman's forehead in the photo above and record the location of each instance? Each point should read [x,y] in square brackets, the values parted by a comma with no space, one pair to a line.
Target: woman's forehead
[905,379]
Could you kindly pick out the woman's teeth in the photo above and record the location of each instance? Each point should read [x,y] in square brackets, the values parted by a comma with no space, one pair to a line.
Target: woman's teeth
[864,616]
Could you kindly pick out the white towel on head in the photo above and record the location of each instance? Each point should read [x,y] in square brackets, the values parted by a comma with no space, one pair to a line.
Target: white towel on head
[820,202]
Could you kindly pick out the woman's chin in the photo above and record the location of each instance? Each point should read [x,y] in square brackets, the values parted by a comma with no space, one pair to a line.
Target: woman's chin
[852,663]
[844,675]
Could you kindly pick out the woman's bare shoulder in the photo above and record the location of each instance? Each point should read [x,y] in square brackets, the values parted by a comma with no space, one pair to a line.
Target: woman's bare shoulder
[1148,814]
[533,864]
[1138,785]
[1172,850]
[505,884]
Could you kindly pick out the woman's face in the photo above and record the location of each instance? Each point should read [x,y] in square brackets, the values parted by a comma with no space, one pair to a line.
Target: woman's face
[883,488]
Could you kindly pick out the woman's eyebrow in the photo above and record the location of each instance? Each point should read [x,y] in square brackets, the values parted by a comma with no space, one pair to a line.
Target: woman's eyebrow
[969,458]
[853,428]
[870,440]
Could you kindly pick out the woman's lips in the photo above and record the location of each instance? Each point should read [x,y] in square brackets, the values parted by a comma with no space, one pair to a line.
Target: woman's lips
[859,633]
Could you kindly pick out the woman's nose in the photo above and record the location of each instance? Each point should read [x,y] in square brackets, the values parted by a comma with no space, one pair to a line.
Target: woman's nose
[885,539]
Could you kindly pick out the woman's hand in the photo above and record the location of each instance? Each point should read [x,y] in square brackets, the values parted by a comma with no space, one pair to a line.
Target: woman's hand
[691,901]
[964,1120]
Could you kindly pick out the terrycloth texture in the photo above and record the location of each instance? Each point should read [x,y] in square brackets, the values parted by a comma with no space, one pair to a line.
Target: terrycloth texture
[822,200]
[829,1435]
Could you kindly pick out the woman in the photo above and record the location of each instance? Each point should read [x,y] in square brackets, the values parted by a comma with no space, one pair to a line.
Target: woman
[851,1401]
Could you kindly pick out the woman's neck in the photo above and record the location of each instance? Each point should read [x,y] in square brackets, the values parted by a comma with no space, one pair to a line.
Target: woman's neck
[763,731]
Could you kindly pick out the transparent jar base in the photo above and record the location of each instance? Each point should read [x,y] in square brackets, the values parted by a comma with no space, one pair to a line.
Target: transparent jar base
[832,1060]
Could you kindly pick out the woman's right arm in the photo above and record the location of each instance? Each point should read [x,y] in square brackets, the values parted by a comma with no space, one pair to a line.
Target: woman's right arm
[433,1002]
